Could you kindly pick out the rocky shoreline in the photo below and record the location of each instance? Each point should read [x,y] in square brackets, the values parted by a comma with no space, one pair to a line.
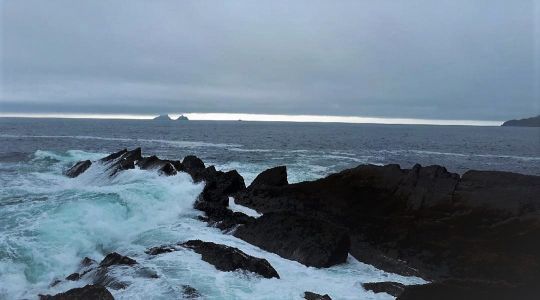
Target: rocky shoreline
[475,236]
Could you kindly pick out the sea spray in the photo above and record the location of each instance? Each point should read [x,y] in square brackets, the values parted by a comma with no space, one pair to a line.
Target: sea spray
[57,221]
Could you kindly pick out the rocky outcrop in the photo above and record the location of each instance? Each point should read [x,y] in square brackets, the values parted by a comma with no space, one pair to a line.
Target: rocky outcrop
[78,168]
[272,177]
[529,122]
[424,221]
[189,292]
[470,290]
[165,167]
[310,241]
[392,288]
[88,292]
[116,259]
[314,296]
[224,258]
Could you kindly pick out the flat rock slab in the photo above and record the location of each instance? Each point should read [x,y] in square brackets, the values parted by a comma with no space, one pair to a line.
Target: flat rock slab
[226,258]
[312,242]
[89,292]
[392,288]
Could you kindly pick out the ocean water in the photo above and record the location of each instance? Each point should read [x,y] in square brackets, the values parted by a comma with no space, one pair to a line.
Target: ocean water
[48,222]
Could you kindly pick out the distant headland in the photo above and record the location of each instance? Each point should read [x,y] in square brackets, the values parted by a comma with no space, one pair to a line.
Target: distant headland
[528,122]
[166,118]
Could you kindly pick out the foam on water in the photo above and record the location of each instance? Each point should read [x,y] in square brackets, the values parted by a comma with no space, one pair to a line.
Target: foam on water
[50,222]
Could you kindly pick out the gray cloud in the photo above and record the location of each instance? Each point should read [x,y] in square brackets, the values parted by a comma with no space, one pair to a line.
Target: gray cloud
[414,59]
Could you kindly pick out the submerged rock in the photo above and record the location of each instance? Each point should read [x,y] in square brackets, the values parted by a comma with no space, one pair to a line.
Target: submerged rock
[189,292]
[310,241]
[78,168]
[389,287]
[88,292]
[226,258]
[314,296]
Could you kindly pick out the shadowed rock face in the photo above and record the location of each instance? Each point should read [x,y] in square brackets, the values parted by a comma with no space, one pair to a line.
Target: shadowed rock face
[310,241]
[424,221]
[470,290]
[273,177]
[89,292]
[226,258]
[392,288]
[78,168]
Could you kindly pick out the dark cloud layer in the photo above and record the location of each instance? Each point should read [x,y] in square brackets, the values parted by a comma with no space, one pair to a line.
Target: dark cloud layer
[415,59]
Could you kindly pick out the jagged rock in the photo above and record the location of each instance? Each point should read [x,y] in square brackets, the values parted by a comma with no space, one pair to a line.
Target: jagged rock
[78,168]
[389,287]
[161,249]
[113,156]
[312,242]
[73,277]
[226,258]
[88,292]
[193,165]
[222,217]
[116,259]
[314,296]
[424,221]
[219,185]
[273,177]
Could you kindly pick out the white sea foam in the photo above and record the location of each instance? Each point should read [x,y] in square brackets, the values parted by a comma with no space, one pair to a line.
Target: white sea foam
[240,208]
[59,220]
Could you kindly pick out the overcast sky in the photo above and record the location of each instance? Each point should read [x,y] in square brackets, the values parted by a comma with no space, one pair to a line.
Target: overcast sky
[429,59]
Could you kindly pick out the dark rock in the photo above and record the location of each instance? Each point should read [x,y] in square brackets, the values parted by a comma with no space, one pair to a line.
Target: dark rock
[165,167]
[189,292]
[314,296]
[122,160]
[193,165]
[470,290]
[389,287]
[116,259]
[162,118]
[89,292]
[529,122]
[310,241]
[274,177]
[168,169]
[87,262]
[222,217]
[74,277]
[113,156]
[161,249]
[226,258]
[219,185]
[78,168]
[424,221]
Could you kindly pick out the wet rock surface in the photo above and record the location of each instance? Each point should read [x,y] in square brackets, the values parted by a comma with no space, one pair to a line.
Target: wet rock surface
[226,258]
[312,242]
[89,292]
[314,296]
[392,288]
[78,168]
[423,221]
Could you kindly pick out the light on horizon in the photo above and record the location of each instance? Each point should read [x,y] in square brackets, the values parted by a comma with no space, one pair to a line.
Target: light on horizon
[263,117]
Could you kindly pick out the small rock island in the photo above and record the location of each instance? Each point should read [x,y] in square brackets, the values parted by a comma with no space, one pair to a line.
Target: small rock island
[528,122]
[166,118]
[162,118]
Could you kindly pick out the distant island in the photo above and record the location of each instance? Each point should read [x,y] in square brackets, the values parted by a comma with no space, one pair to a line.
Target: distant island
[529,122]
[166,118]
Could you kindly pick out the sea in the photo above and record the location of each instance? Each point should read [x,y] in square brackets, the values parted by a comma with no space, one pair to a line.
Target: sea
[49,222]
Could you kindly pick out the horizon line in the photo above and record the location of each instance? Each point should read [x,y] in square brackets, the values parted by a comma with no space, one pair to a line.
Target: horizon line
[261,118]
